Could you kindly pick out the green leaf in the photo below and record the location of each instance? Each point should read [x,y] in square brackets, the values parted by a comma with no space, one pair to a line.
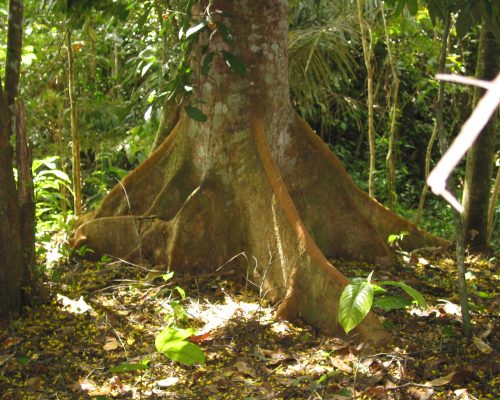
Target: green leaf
[196,114]
[196,28]
[392,302]
[184,352]
[225,32]
[413,293]
[207,63]
[169,275]
[412,6]
[126,367]
[169,335]
[399,7]
[355,303]
[57,173]
[235,63]
[181,291]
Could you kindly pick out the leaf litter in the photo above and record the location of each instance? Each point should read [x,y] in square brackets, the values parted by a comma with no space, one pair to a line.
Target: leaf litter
[95,338]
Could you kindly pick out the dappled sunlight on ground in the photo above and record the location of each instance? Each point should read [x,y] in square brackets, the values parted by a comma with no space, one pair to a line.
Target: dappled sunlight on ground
[104,315]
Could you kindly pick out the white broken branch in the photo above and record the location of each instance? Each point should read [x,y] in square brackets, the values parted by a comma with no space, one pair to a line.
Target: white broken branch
[465,139]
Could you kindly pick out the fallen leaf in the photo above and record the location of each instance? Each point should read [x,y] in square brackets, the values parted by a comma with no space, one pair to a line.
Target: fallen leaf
[74,306]
[85,385]
[197,339]
[170,381]
[244,369]
[421,393]
[102,391]
[487,332]
[9,342]
[276,357]
[481,345]
[34,382]
[111,344]
[444,380]
[5,358]
[115,384]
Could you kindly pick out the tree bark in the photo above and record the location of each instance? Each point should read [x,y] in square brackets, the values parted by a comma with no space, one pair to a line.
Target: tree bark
[11,262]
[394,110]
[480,158]
[12,267]
[254,180]
[437,132]
[367,53]
[75,136]
[25,197]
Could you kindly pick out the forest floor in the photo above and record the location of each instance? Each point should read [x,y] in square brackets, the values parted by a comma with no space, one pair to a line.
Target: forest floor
[102,320]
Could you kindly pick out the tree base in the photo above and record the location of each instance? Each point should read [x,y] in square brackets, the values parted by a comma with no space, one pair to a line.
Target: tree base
[193,207]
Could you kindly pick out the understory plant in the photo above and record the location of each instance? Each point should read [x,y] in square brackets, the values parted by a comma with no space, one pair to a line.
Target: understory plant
[358,299]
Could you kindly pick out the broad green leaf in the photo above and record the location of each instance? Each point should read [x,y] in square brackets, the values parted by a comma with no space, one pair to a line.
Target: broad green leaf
[399,7]
[355,303]
[169,275]
[392,302]
[225,32]
[235,63]
[207,63]
[169,335]
[59,174]
[196,114]
[126,367]
[146,68]
[413,293]
[412,6]
[181,291]
[196,28]
[184,352]
[392,238]
[377,289]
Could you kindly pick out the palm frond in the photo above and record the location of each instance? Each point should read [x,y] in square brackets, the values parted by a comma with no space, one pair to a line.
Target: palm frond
[319,57]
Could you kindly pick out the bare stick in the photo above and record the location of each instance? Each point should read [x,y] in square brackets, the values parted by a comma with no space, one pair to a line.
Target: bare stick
[468,134]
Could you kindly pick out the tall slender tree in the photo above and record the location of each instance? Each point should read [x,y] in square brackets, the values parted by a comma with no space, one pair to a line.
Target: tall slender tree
[480,158]
[13,267]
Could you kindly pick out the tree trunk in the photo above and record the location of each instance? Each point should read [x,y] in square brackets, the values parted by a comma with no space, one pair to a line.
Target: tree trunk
[493,202]
[480,158]
[25,196]
[75,136]
[253,180]
[437,132]
[390,159]
[11,262]
[11,259]
[367,53]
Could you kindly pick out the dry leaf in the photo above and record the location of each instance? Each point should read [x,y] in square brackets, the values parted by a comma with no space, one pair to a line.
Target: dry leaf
[111,344]
[86,385]
[276,357]
[5,358]
[481,345]
[421,393]
[170,381]
[9,342]
[34,382]
[244,369]
[197,339]
[115,384]
[444,380]
[103,391]
[74,306]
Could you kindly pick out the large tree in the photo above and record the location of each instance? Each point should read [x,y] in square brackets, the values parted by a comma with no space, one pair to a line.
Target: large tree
[252,188]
